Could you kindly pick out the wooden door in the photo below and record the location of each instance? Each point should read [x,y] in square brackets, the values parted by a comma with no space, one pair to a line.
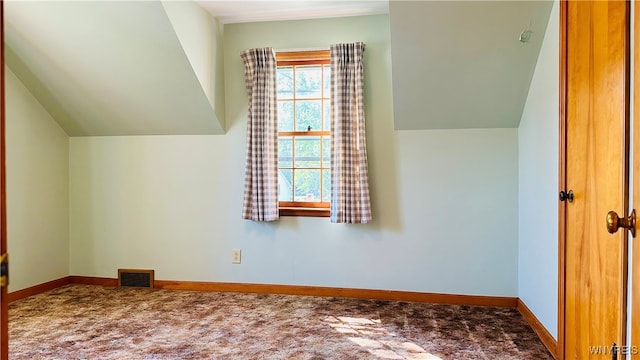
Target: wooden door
[4,303]
[596,54]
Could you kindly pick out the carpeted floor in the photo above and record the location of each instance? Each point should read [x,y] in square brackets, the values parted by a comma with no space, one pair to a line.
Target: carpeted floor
[92,322]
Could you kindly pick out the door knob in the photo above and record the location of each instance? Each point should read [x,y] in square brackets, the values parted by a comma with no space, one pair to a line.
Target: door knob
[614,222]
[566,195]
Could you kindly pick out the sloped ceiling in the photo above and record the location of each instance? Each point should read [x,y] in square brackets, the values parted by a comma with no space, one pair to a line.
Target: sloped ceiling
[151,67]
[109,68]
[460,64]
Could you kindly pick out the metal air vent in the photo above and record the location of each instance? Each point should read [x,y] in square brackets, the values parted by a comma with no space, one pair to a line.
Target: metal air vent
[135,278]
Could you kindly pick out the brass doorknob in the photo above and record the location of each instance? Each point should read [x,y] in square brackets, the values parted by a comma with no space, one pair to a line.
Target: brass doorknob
[614,222]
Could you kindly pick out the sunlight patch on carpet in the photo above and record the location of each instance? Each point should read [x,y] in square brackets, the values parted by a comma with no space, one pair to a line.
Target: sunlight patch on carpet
[376,339]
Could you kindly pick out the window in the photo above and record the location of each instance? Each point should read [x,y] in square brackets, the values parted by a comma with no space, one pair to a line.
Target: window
[304,132]
[323,164]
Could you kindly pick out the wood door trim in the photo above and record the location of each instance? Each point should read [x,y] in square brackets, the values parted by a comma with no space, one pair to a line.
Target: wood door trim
[4,303]
[635,276]
[562,181]
[627,175]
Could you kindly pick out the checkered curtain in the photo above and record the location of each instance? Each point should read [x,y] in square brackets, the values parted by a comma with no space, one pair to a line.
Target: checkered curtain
[261,171]
[349,173]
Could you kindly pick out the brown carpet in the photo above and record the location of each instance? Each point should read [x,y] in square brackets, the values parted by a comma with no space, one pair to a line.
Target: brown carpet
[92,322]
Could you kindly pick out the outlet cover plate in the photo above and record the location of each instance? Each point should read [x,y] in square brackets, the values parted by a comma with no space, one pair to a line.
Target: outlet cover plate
[236,256]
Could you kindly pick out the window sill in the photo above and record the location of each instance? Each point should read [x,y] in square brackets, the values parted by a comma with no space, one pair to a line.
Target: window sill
[305,212]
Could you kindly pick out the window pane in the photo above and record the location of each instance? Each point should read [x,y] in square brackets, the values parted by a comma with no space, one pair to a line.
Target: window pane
[285,185]
[284,82]
[308,82]
[326,124]
[307,185]
[285,115]
[307,151]
[285,151]
[327,81]
[326,152]
[326,185]
[308,113]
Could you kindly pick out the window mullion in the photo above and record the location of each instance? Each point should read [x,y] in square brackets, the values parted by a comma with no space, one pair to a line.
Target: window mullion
[293,167]
[294,70]
[295,108]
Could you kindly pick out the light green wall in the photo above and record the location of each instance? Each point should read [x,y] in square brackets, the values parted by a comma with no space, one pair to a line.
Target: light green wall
[173,203]
[37,190]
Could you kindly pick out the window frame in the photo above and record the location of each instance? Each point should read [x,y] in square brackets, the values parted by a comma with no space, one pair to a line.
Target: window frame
[303,58]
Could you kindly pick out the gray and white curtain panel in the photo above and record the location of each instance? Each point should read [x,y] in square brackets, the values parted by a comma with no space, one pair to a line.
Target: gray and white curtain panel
[349,171]
[261,171]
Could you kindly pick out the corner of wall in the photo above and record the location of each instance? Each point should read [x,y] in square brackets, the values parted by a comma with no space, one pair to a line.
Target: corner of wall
[537,182]
[37,189]
[218,65]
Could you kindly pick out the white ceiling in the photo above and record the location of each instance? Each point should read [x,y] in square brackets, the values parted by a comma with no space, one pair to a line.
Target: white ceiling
[241,11]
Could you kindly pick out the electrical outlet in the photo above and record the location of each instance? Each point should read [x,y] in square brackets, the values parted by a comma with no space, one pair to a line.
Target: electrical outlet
[236,256]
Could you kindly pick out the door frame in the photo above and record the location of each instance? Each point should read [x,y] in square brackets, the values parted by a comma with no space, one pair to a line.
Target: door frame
[635,271]
[562,179]
[4,301]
